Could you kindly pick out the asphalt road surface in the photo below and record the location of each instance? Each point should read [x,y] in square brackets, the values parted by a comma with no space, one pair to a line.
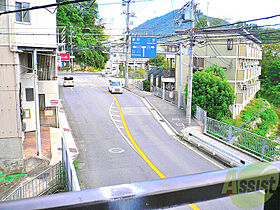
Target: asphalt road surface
[107,155]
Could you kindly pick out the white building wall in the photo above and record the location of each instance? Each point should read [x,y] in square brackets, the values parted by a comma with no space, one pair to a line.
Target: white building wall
[27,81]
[42,26]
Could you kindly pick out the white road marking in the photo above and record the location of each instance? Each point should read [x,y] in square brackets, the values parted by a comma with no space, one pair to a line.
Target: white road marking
[116,120]
[118,127]
[179,124]
[113,115]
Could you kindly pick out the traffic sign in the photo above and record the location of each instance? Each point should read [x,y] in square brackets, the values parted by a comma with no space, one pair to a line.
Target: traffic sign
[143,47]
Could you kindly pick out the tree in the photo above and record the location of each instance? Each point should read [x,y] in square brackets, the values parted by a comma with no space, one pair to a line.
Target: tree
[88,49]
[212,93]
[216,70]
[160,61]
[270,77]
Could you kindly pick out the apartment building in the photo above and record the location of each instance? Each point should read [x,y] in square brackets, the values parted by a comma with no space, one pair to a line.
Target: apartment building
[28,81]
[237,52]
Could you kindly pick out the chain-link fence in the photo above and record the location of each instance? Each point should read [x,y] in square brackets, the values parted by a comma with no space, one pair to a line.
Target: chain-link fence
[41,184]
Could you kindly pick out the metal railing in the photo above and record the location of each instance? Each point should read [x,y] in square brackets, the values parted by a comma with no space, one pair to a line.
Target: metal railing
[167,95]
[138,84]
[41,184]
[137,75]
[201,115]
[157,91]
[71,178]
[257,145]
[172,192]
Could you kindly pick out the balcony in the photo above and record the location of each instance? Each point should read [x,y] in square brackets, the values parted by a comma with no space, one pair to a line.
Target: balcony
[249,51]
[245,96]
[169,73]
[245,74]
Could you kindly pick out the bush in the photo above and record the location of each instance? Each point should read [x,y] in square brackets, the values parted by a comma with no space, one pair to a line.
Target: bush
[146,85]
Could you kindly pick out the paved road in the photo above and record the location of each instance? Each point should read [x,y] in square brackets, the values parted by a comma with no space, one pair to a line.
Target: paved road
[88,110]
[106,155]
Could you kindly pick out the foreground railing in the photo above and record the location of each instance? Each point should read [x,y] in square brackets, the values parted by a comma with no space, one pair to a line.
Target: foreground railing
[71,178]
[44,182]
[246,186]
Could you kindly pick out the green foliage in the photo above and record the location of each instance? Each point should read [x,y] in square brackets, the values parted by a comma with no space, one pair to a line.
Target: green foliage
[212,93]
[76,165]
[160,61]
[83,17]
[141,70]
[146,85]
[216,70]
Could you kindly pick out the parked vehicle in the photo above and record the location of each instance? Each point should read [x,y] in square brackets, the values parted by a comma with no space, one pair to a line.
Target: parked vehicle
[115,86]
[68,82]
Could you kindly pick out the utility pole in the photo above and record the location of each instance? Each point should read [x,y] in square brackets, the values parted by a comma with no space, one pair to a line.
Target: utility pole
[180,75]
[190,75]
[71,46]
[126,2]
[37,107]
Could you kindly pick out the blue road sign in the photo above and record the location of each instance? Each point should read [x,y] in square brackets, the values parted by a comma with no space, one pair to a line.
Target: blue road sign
[143,47]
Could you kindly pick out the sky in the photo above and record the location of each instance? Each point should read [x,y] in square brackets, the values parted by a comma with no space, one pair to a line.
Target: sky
[232,10]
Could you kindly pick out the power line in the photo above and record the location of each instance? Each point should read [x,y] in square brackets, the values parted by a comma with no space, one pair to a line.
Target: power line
[43,6]
[240,22]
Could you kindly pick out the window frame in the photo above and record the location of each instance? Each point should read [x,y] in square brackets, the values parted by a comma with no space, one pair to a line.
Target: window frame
[230,44]
[3,7]
[29,98]
[24,16]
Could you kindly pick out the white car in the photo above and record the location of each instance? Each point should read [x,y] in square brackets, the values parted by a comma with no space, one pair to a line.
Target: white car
[115,86]
[68,82]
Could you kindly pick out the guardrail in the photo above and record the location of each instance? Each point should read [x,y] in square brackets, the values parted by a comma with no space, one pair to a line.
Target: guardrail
[264,147]
[173,192]
[258,145]
[216,151]
[41,184]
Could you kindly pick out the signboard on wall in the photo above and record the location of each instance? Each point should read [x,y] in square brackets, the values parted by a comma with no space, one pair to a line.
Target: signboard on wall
[48,113]
[64,56]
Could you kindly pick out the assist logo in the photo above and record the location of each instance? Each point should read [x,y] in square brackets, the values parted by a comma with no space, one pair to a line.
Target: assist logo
[253,181]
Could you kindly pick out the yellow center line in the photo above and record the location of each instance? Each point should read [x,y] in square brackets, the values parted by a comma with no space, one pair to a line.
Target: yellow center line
[146,159]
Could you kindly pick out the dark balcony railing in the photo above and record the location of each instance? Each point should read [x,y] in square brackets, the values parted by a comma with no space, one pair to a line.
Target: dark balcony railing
[169,73]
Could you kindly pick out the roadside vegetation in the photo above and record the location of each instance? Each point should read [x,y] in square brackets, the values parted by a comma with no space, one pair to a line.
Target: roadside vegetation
[212,92]
[88,49]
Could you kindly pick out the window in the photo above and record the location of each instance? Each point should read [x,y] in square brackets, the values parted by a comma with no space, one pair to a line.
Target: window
[22,16]
[230,44]
[3,5]
[198,63]
[29,94]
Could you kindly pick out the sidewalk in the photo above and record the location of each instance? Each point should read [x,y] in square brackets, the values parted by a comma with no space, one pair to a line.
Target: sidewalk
[177,118]
[50,143]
